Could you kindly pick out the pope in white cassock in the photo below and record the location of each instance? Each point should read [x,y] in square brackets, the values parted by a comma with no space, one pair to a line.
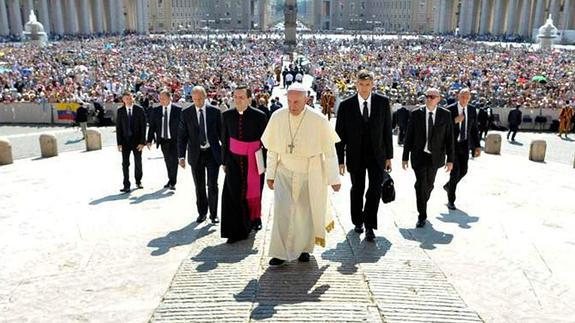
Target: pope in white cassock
[301,164]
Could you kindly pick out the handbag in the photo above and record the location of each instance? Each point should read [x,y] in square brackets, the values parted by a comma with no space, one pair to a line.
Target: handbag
[387,189]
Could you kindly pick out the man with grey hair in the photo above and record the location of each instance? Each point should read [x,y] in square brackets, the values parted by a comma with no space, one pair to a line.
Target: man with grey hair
[301,165]
[466,137]
[200,134]
[428,140]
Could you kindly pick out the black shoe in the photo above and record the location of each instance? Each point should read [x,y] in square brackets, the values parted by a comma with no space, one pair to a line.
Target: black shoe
[451,206]
[172,187]
[139,185]
[167,185]
[304,257]
[369,235]
[358,229]
[258,227]
[201,218]
[125,190]
[215,220]
[275,262]
[232,240]
[420,224]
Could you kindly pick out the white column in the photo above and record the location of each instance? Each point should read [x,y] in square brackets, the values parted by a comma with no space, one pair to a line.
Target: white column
[71,14]
[511,17]
[499,17]
[146,21]
[466,17]
[121,19]
[15,14]
[554,9]
[539,16]
[485,22]
[113,16]
[567,14]
[44,15]
[139,16]
[58,17]
[438,18]
[98,16]
[26,7]
[449,14]
[85,17]
[4,28]
[525,21]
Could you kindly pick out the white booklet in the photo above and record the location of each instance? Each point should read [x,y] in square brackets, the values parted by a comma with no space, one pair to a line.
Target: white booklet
[260,161]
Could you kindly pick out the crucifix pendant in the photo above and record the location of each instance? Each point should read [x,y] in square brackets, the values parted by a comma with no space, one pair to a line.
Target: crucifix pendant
[291,147]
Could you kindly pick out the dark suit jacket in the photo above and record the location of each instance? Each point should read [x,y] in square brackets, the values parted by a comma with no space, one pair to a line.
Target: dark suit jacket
[156,126]
[189,134]
[514,117]
[402,117]
[472,131]
[349,124]
[138,126]
[82,114]
[441,138]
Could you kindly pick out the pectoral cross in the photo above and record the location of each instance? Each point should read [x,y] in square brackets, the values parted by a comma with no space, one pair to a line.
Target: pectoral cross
[291,147]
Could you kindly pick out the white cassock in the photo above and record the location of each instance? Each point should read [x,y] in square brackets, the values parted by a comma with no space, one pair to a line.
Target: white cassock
[302,178]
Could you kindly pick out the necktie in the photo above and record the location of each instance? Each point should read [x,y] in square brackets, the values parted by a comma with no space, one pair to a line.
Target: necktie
[165,126]
[365,112]
[203,140]
[463,127]
[429,130]
[129,122]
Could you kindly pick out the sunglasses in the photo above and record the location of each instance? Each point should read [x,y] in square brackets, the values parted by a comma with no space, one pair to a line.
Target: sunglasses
[431,97]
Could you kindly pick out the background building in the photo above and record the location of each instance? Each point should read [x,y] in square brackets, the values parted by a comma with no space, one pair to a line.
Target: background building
[75,17]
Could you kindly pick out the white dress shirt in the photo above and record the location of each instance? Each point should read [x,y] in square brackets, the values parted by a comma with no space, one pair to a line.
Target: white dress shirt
[460,112]
[361,100]
[203,110]
[166,115]
[433,114]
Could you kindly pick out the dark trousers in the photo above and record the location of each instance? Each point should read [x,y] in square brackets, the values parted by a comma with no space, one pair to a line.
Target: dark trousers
[367,214]
[460,166]
[206,164]
[170,152]
[126,151]
[401,136]
[483,131]
[424,180]
[512,130]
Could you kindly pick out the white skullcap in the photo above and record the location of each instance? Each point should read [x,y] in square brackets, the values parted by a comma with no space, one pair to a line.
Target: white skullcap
[298,87]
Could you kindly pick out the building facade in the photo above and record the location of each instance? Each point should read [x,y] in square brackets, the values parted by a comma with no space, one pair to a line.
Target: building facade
[381,15]
[75,17]
[503,17]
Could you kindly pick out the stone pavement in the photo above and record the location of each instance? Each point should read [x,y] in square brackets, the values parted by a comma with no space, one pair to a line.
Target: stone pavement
[72,249]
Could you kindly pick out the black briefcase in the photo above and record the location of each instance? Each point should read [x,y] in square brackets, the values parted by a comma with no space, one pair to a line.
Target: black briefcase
[387,189]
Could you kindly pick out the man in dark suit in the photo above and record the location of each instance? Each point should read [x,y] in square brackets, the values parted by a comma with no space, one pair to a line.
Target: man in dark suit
[131,138]
[200,133]
[164,123]
[364,127]
[429,139]
[275,106]
[515,117]
[82,119]
[402,115]
[466,138]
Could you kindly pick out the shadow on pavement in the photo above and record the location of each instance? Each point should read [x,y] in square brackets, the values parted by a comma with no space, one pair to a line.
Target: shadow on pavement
[211,256]
[73,141]
[355,251]
[111,198]
[185,236]
[157,195]
[515,143]
[427,236]
[290,284]
[459,217]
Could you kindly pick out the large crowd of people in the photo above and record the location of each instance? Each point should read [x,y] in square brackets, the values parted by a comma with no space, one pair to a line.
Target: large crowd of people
[101,69]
